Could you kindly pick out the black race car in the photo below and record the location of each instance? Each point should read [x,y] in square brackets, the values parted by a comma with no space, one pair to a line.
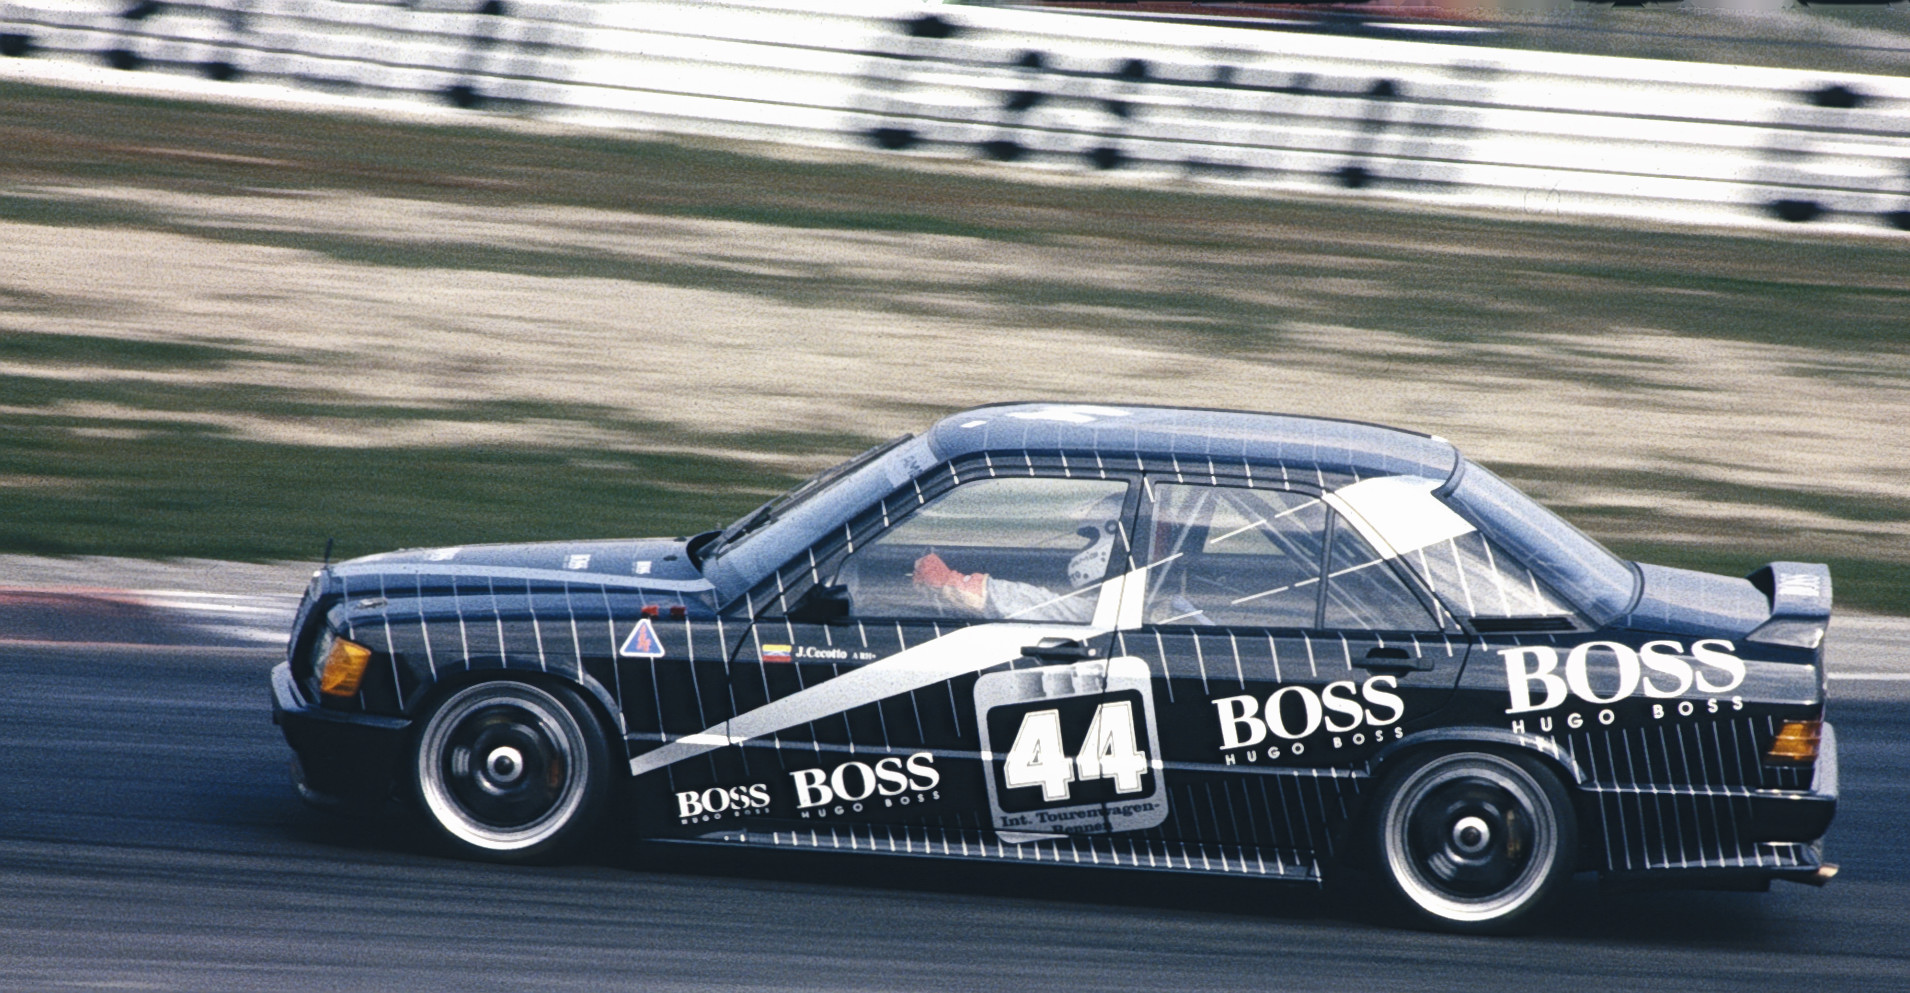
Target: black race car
[1131,637]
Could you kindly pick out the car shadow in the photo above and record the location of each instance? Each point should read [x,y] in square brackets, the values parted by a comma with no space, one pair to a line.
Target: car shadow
[1586,913]
[1046,882]
[1705,918]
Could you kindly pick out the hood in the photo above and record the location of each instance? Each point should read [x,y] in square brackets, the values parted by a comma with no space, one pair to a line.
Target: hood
[655,565]
[660,558]
[622,578]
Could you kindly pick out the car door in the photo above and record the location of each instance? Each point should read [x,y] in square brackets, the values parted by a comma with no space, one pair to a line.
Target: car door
[1289,653]
[874,692]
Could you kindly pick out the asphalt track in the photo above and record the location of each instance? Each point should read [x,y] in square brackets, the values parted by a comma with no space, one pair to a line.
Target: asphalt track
[149,841]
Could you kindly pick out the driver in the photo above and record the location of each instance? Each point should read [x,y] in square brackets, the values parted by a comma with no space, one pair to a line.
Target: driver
[1005,599]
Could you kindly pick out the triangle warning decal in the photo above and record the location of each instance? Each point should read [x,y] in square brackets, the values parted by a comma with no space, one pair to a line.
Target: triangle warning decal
[643,642]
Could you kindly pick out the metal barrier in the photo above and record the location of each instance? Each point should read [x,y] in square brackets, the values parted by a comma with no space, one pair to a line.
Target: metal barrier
[1446,123]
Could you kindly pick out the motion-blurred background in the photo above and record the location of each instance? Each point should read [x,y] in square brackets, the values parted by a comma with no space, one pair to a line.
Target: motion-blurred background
[499,270]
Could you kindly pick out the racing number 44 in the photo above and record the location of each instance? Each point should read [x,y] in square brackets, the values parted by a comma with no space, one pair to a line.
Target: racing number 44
[1110,750]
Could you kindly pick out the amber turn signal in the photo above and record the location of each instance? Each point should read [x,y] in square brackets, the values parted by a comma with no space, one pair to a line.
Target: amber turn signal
[344,666]
[1796,742]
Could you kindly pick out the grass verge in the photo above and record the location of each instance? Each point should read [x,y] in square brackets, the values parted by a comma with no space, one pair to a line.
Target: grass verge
[173,493]
[133,458]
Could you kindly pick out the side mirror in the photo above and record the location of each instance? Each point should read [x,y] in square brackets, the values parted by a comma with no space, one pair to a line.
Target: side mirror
[822,605]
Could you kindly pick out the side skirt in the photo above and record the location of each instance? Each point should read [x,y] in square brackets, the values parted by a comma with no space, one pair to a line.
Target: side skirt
[1105,851]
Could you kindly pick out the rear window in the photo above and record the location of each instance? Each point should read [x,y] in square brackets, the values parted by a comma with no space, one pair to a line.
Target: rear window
[1560,555]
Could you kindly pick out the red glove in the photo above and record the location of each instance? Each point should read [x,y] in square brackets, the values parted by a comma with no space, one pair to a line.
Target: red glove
[968,590]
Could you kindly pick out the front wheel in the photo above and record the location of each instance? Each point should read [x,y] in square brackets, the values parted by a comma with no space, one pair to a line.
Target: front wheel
[1474,841]
[511,772]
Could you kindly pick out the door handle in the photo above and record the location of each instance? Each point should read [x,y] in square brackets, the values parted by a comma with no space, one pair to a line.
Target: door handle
[1392,660]
[1059,650]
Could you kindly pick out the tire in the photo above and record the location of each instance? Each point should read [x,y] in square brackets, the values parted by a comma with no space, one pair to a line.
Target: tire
[476,770]
[1474,842]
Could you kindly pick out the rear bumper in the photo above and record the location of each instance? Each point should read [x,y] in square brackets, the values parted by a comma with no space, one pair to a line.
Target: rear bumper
[1771,834]
[340,757]
[1803,815]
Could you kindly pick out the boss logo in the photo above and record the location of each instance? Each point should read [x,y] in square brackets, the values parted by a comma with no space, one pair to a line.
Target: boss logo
[718,800]
[853,782]
[1659,668]
[1297,711]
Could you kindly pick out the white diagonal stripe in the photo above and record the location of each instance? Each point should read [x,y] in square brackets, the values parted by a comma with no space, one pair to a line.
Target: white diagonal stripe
[970,649]
[1398,514]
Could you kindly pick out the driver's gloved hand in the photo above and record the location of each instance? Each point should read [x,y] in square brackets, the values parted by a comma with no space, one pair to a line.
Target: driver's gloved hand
[966,590]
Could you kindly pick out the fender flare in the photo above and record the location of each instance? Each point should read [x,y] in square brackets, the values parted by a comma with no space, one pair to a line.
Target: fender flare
[1540,745]
[484,669]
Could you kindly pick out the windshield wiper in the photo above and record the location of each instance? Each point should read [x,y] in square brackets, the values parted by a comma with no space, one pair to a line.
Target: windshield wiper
[742,527]
[693,548]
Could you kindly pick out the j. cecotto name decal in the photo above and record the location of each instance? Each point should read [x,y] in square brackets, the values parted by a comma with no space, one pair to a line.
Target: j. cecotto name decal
[1659,668]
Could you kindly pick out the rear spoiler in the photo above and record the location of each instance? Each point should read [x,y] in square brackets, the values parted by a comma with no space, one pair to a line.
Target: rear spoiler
[1800,603]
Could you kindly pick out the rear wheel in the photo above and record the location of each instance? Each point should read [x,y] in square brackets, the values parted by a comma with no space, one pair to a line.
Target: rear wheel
[510,772]
[1474,841]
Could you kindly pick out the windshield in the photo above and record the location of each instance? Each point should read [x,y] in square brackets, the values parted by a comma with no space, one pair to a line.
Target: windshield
[1562,556]
[753,521]
[773,533]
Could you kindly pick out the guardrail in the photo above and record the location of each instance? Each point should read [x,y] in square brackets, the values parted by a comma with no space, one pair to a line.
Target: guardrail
[1447,123]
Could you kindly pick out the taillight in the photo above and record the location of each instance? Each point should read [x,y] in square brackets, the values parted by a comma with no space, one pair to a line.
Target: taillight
[1796,743]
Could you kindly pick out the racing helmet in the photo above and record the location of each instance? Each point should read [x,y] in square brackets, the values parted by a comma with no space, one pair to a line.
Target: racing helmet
[1101,524]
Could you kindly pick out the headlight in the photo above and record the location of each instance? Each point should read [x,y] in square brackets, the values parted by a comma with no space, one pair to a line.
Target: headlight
[339,664]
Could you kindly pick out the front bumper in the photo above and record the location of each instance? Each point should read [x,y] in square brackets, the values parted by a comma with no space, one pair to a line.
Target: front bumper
[340,757]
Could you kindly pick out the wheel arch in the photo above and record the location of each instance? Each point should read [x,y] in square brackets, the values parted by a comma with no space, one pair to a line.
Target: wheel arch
[1445,739]
[594,694]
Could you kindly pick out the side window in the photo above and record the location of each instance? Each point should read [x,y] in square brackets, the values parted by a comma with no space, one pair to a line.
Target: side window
[1225,555]
[1026,549]
[1363,592]
[1475,579]
[1447,552]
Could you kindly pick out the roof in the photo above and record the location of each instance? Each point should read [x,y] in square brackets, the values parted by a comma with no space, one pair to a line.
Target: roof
[1194,434]
[1156,434]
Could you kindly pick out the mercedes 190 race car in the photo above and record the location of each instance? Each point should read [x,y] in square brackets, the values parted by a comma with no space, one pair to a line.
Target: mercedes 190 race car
[1131,637]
